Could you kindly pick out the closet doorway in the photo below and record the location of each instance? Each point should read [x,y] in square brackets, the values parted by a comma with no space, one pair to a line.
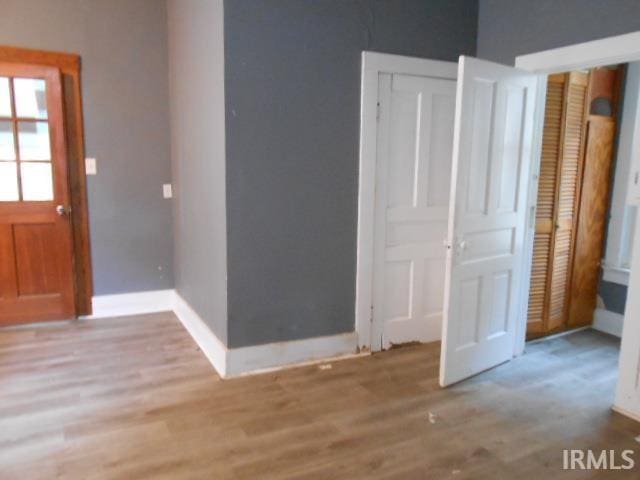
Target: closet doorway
[579,141]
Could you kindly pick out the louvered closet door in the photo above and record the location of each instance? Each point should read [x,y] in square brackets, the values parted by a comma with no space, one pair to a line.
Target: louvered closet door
[551,141]
[569,174]
[557,202]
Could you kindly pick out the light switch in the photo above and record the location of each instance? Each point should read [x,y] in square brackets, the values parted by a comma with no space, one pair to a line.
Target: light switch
[90,166]
[167,191]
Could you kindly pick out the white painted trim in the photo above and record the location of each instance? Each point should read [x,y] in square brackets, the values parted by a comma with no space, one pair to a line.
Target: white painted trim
[628,389]
[274,356]
[532,200]
[608,322]
[626,413]
[615,274]
[375,63]
[231,362]
[212,347]
[596,53]
[372,65]
[135,303]
[623,216]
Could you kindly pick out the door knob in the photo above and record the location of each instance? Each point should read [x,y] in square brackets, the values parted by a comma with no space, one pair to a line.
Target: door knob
[62,210]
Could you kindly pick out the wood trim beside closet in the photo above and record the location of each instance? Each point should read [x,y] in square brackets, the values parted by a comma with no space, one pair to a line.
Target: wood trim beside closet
[590,234]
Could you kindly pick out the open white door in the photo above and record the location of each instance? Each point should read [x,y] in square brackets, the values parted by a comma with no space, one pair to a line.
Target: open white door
[493,135]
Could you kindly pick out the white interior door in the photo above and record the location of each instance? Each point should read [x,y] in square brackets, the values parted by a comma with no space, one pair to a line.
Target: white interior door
[413,175]
[492,150]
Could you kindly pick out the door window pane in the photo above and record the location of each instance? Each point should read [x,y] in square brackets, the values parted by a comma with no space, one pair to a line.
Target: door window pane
[7,150]
[31,99]
[33,139]
[5,99]
[8,182]
[36,182]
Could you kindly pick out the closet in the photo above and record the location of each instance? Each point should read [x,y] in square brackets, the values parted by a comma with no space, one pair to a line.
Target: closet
[573,197]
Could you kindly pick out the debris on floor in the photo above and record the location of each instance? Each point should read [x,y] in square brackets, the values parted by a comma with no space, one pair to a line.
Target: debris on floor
[326,366]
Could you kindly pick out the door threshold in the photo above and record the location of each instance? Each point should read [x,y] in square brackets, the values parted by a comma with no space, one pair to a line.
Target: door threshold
[557,335]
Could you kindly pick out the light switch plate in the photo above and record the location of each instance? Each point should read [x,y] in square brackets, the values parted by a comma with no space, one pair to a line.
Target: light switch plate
[167,191]
[90,166]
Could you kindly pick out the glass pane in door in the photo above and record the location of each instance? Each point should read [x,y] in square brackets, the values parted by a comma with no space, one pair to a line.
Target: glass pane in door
[7,149]
[33,140]
[5,98]
[8,182]
[36,181]
[30,95]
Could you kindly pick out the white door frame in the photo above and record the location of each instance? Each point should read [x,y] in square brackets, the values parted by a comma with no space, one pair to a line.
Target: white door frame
[373,64]
[607,51]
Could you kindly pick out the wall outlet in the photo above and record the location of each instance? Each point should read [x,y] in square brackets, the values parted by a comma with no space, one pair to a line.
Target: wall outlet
[90,166]
[167,191]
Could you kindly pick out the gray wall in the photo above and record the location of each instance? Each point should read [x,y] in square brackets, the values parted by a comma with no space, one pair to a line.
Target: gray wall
[196,72]
[508,28]
[125,88]
[292,79]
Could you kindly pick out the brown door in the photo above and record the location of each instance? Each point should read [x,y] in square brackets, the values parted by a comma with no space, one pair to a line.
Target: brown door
[596,184]
[36,269]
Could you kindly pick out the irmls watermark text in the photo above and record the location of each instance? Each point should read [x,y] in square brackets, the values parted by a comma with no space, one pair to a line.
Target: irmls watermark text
[598,460]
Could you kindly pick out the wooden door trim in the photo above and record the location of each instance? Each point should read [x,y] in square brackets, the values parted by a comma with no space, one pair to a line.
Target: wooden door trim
[70,65]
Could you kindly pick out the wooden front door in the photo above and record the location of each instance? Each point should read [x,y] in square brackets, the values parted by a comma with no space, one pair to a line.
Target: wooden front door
[36,267]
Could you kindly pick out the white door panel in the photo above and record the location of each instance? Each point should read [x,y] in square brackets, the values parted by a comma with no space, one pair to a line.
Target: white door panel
[491,161]
[413,174]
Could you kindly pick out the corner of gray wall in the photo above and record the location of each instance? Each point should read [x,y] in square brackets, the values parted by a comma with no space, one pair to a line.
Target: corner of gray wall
[196,72]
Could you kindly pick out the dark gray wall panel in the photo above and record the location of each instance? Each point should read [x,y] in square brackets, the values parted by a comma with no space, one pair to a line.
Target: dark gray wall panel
[126,113]
[613,295]
[508,28]
[292,80]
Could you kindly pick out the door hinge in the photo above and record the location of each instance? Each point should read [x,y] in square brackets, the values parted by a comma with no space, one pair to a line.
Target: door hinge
[371,316]
[378,111]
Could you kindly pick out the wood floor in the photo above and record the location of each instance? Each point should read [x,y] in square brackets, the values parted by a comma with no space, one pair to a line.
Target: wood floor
[134,398]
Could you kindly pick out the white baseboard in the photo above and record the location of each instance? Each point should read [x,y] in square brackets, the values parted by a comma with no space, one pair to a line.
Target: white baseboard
[212,347]
[135,303]
[608,322]
[232,362]
[626,412]
[228,362]
[273,356]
